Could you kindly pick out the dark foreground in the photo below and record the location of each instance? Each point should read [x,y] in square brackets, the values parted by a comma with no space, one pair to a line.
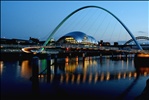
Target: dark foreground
[92,79]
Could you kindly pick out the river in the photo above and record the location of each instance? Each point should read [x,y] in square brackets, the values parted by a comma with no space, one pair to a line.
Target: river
[94,78]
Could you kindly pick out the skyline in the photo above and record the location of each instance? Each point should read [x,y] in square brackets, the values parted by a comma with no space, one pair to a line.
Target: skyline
[24,19]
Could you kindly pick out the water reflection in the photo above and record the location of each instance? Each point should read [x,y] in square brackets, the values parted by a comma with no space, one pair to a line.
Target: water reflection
[91,72]
[88,71]
[26,69]
[144,95]
[84,78]
[98,73]
[1,67]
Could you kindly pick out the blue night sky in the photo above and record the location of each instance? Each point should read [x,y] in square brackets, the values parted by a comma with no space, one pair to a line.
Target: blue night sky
[24,19]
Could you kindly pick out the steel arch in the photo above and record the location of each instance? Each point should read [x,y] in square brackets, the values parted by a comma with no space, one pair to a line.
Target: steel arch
[46,42]
[137,38]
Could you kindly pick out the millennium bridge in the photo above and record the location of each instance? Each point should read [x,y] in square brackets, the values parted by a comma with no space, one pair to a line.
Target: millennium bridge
[77,51]
[76,48]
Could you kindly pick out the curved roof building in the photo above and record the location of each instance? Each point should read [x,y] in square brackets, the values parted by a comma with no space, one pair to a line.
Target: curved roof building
[77,37]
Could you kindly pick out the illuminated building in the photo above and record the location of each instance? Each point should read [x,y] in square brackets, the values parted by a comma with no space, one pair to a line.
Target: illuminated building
[77,37]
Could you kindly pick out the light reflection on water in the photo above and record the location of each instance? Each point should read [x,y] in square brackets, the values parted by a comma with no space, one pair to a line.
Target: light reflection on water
[26,69]
[100,77]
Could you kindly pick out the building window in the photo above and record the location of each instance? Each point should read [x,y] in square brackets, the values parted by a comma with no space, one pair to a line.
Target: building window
[70,40]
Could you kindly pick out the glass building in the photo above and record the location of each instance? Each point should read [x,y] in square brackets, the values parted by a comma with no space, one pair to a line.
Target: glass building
[77,37]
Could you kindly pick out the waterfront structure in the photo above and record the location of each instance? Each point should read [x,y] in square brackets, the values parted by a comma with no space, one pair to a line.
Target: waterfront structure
[137,38]
[31,41]
[77,37]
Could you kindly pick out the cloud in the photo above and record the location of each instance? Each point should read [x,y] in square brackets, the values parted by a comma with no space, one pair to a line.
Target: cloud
[141,32]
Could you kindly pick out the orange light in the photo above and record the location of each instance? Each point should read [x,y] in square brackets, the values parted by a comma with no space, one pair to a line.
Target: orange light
[67,49]
[143,55]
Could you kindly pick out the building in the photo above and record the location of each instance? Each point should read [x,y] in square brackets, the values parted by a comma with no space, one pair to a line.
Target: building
[31,41]
[77,37]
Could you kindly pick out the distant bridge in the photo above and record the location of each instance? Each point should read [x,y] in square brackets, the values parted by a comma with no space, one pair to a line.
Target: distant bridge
[137,38]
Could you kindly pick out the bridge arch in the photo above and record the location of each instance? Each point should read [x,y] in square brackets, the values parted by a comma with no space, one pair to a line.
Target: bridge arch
[46,42]
[137,38]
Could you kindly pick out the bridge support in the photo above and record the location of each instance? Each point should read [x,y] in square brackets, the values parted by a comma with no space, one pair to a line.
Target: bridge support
[34,78]
[55,64]
[83,58]
[112,55]
[100,55]
[126,56]
[48,67]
